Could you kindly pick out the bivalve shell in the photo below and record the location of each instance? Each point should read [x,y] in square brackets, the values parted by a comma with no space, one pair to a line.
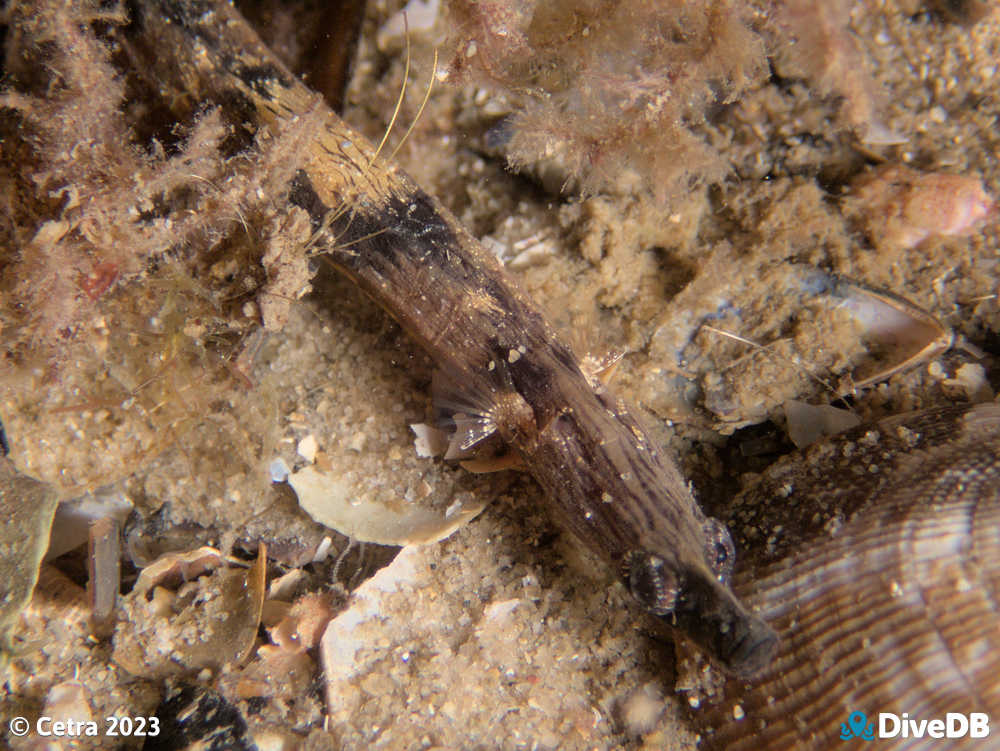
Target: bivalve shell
[881,575]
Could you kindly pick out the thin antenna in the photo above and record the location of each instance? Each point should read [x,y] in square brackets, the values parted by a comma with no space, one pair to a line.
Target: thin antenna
[419,111]
[402,93]
[798,366]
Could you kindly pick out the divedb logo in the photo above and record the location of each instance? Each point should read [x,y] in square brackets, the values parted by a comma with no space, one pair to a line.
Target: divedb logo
[954,725]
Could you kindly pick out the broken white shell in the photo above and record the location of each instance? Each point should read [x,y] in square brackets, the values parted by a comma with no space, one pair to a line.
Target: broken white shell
[335,504]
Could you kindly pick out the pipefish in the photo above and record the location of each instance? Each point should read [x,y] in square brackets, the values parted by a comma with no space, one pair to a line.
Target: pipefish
[605,478]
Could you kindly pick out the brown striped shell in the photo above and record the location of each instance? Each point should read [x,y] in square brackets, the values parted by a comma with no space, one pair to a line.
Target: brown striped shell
[882,576]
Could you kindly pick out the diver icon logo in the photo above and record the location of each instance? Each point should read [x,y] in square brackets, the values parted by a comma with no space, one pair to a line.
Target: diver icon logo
[857,726]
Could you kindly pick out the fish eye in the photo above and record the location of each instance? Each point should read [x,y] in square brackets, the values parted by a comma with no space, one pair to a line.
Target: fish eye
[719,549]
[652,583]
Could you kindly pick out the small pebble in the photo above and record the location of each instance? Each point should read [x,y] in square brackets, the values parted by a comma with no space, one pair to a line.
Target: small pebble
[279,470]
[307,448]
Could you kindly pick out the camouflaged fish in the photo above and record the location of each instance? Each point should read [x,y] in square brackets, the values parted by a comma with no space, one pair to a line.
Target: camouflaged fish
[606,479]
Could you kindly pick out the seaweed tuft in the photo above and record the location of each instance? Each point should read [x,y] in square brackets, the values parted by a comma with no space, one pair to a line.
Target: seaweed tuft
[613,93]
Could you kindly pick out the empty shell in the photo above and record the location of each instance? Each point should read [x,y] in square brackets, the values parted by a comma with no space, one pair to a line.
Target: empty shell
[188,611]
[394,521]
[896,333]
[798,332]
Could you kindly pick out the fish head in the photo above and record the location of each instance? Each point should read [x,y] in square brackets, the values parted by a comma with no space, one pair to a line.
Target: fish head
[691,594]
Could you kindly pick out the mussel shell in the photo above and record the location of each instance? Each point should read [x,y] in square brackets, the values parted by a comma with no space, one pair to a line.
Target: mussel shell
[745,353]
[882,582]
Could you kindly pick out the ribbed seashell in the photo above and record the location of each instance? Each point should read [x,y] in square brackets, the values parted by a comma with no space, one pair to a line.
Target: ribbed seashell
[879,566]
